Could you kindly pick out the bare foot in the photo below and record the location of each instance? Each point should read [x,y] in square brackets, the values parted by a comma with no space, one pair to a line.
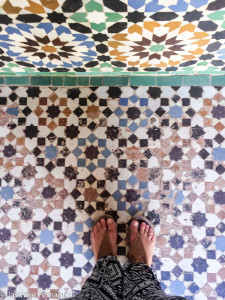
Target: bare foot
[98,233]
[147,237]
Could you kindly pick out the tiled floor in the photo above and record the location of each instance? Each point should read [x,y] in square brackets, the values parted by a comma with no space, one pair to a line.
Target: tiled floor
[70,154]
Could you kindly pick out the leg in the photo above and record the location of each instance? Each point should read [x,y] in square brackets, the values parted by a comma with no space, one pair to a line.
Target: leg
[139,280]
[106,279]
[105,282]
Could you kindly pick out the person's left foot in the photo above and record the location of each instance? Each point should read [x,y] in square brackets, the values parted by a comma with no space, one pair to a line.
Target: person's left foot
[98,234]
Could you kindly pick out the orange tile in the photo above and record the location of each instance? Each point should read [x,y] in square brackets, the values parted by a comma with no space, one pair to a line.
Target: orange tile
[150,26]
[197,51]
[120,37]
[189,27]
[172,25]
[135,28]
[35,8]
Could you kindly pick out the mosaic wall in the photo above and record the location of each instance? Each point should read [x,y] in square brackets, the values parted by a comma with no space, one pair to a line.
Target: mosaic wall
[69,154]
[112,36]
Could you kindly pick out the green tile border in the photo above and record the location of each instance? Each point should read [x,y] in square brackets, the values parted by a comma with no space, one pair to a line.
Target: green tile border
[2,80]
[70,81]
[17,80]
[196,80]
[41,80]
[218,80]
[57,81]
[109,80]
[115,80]
[169,80]
[142,80]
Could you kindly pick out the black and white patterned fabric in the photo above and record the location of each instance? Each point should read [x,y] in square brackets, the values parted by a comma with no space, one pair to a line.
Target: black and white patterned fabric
[110,281]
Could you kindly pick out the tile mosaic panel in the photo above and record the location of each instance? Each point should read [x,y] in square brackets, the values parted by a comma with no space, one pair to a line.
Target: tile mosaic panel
[112,36]
[70,154]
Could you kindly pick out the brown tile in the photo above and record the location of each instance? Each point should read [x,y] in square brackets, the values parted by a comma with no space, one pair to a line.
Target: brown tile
[42,121]
[63,101]
[207,102]
[20,141]
[62,121]
[221,273]
[43,101]
[59,282]
[34,270]
[211,277]
[55,271]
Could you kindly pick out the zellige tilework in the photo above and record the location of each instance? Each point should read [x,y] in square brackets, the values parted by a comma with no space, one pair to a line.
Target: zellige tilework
[69,154]
[103,36]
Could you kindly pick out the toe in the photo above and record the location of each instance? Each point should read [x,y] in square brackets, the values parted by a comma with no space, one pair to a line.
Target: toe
[150,232]
[99,226]
[103,223]
[146,229]
[134,226]
[143,226]
[111,224]
[96,230]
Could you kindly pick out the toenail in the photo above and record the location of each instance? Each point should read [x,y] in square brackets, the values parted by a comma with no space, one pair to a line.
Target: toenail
[109,221]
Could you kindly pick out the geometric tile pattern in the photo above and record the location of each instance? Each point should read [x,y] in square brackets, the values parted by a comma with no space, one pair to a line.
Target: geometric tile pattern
[112,36]
[69,154]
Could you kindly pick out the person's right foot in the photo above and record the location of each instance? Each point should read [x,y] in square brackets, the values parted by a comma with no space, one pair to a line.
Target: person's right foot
[147,238]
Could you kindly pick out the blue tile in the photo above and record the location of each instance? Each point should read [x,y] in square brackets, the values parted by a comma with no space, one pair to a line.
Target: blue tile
[4,279]
[123,101]
[117,195]
[143,185]
[77,271]
[106,153]
[143,123]
[74,237]
[211,254]
[165,275]
[101,143]
[188,276]
[163,286]
[132,210]
[46,237]
[89,222]
[81,142]
[146,195]
[78,249]
[89,254]
[123,122]
[51,152]
[77,152]
[220,243]
[194,288]
[220,289]
[91,167]
[122,184]
[144,102]
[148,113]
[14,111]
[177,287]
[210,231]
[81,162]
[79,227]
[101,163]
[132,180]
[92,138]
[118,112]
[134,98]
[133,127]
[121,206]
[7,192]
